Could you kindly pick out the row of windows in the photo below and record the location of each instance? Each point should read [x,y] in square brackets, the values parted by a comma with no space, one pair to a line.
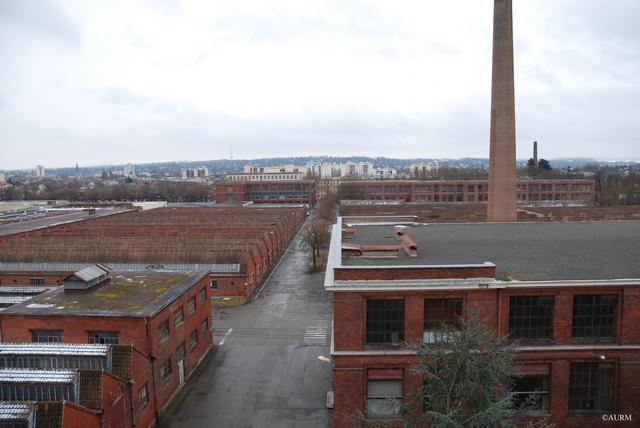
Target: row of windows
[178,316]
[591,387]
[530,318]
[55,336]
[167,367]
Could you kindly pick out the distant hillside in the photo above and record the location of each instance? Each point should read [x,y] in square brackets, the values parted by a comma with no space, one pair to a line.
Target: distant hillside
[220,166]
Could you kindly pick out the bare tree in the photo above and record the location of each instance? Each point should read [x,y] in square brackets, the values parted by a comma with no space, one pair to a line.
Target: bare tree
[314,236]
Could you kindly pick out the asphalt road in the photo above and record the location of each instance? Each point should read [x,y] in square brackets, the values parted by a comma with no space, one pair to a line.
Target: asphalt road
[265,371]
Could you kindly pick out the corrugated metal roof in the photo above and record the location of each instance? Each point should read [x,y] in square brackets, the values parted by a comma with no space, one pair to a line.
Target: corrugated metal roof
[23,290]
[90,273]
[74,267]
[16,410]
[12,300]
[63,349]
[37,376]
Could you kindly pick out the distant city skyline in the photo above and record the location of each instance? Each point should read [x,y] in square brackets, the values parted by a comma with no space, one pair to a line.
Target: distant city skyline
[141,82]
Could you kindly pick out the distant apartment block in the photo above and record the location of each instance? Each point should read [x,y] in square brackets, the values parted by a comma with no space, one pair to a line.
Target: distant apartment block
[561,190]
[129,170]
[423,170]
[200,172]
[40,171]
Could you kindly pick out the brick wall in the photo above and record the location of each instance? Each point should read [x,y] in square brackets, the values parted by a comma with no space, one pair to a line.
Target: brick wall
[492,306]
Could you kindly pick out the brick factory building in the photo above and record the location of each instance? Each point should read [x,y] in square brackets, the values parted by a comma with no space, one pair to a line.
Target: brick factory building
[267,192]
[164,317]
[528,191]
[568,292]
[238,245]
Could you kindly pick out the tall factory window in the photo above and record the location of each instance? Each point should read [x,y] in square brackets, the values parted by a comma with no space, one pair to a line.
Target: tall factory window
[384,392]
[191,306]
[439,314]
[385,322]
[108,337]
[594,316]
[163,332]
[46,336]
[532,391]
[165,370]
[591,388]
[531,317]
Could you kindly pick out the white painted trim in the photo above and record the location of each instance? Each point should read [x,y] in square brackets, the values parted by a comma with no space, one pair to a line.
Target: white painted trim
[472,284]
[549,348]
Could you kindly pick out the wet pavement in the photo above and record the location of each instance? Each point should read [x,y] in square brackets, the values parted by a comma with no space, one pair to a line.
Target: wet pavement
[265,370]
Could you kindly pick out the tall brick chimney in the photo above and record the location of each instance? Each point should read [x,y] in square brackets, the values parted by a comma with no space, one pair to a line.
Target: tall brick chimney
[502,153]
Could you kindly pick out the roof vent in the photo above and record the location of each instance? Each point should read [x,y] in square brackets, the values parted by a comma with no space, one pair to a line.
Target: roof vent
[87,278]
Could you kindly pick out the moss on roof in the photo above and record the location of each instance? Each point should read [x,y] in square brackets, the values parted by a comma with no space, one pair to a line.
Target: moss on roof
[127,293]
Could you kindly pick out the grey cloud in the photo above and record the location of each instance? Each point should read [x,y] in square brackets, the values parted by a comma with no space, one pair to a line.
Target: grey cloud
[43,16]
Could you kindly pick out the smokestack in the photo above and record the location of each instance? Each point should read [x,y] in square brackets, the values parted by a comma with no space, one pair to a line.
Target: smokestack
[502,153]
[535,152]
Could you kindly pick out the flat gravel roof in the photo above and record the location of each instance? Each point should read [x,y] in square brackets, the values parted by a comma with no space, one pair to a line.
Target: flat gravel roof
[522,251]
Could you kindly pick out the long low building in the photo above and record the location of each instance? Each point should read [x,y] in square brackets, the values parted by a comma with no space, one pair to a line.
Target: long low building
[238,245]
[567,292]
[577,191]
[267,192]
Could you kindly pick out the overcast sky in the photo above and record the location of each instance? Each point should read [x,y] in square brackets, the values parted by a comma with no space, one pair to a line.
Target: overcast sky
[99,82]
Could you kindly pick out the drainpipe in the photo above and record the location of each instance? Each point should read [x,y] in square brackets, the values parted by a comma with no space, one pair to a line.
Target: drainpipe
[152,359]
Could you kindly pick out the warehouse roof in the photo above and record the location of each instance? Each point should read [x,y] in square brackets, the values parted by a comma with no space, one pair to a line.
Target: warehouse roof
[62,349]
[56,218]
[521,251]
[128,293]
[16,410]
[37,376]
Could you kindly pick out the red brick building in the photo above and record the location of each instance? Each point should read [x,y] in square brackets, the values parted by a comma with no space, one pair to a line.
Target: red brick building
[267,192]
[164,316]
[528,191]
[238,245]
[568,292]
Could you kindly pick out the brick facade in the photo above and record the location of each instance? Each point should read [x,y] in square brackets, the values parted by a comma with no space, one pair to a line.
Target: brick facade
[469,191]
[352,357]
[267,192]
[142,333]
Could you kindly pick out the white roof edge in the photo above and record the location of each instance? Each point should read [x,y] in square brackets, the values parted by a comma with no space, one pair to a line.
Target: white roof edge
[471,284]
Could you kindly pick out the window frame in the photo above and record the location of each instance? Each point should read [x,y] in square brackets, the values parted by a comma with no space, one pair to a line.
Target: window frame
[591,316]
[166,370]
[175,319]
[203,296]
[545,393]
[195,307]
[57,333]
[144,399]
[368,398]
[205,330]
[530,308]
[104,333]
[193,339]
[591,387]
[372,338]
[162,338]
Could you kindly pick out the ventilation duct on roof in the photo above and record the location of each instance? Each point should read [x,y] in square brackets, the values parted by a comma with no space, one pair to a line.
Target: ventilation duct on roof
[87,278]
